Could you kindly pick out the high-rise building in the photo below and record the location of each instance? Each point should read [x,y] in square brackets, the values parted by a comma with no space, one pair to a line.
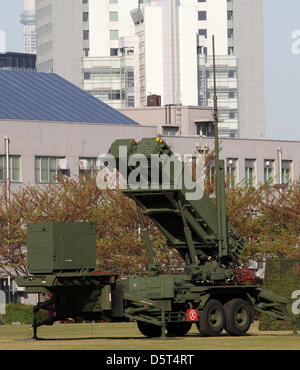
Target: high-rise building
[122,51]
[248,43]
[173,56]
[59,38]
[85,42]
[28,21]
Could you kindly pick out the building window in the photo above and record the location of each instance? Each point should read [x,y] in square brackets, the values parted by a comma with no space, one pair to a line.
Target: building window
[205,129]
[85,34]
[85,16]
[231,171]
[115,95]
[114,34]
[114,52]
[231,73]
[231,94]
[88,167]
[170,131]
[202,15]
[230,33]
[249,172]
[285,172]
[201,1]
[113,16]
[86,75]
[202,32]
[268,171]
[113,1]
[47,169]
[85,1]
[232,114]
[14,168]
[211,172]
[230,50]
[229,15]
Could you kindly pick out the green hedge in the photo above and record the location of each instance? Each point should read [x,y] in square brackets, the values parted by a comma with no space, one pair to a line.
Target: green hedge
[282,276]
[20,313]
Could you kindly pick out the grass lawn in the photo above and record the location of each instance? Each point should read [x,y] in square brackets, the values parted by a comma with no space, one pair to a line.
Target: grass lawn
[125,336]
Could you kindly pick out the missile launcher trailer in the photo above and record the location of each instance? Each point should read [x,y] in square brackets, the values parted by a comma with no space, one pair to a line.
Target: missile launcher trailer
[203,290]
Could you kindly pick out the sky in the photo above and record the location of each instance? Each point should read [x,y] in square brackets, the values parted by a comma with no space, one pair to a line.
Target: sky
[282,61]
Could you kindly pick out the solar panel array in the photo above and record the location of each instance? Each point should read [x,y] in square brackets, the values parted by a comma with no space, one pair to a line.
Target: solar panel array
[37,96]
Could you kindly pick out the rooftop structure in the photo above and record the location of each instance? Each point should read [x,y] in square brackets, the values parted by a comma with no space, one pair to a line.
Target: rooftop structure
[48,97]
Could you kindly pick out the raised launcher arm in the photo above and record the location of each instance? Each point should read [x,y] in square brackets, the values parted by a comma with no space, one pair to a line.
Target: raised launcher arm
[190,226]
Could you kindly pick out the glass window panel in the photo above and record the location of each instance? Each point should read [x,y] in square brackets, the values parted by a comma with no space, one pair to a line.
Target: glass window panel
[53,176]
[15,168]
[37,169]
[2,168]
[268,174]
[249,176]
[202,15]
[52,164]
[85,16]
[44,169]
[53,169]
[113,16]
[85,34]
[114,34]
[285,176]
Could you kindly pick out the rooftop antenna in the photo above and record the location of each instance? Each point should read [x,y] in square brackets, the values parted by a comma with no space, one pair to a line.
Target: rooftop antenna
[220,175]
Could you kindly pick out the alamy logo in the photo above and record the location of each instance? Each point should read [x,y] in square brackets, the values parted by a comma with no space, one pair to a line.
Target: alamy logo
[296,304]
[159,172]
[2,302]
[296,43]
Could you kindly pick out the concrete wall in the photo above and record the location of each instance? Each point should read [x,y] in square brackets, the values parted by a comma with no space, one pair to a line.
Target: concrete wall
[73,140]
[182,116]
[242,149]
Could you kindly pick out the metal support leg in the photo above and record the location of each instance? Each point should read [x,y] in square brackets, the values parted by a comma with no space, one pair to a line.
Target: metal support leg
[188,237]
[34,324]
[146,237]
[163,327]
[36,309]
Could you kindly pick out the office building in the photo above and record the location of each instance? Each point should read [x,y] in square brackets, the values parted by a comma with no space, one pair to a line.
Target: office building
[69,32]
[164,48]
[173,58]
[28,22]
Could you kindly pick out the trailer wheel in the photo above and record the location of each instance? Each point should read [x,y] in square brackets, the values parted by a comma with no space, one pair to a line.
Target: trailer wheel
[212,319]
[238,315]
[178,329]
[149,330]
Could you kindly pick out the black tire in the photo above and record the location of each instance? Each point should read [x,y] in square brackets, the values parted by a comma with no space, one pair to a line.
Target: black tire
[149,330]
[178,329]
[212,319]
[238,316]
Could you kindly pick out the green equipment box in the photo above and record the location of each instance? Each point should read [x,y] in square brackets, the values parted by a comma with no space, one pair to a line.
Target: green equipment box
[58,246]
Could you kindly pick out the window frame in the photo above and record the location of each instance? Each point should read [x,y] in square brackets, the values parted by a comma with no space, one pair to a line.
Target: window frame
[11,169]
[50,178]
